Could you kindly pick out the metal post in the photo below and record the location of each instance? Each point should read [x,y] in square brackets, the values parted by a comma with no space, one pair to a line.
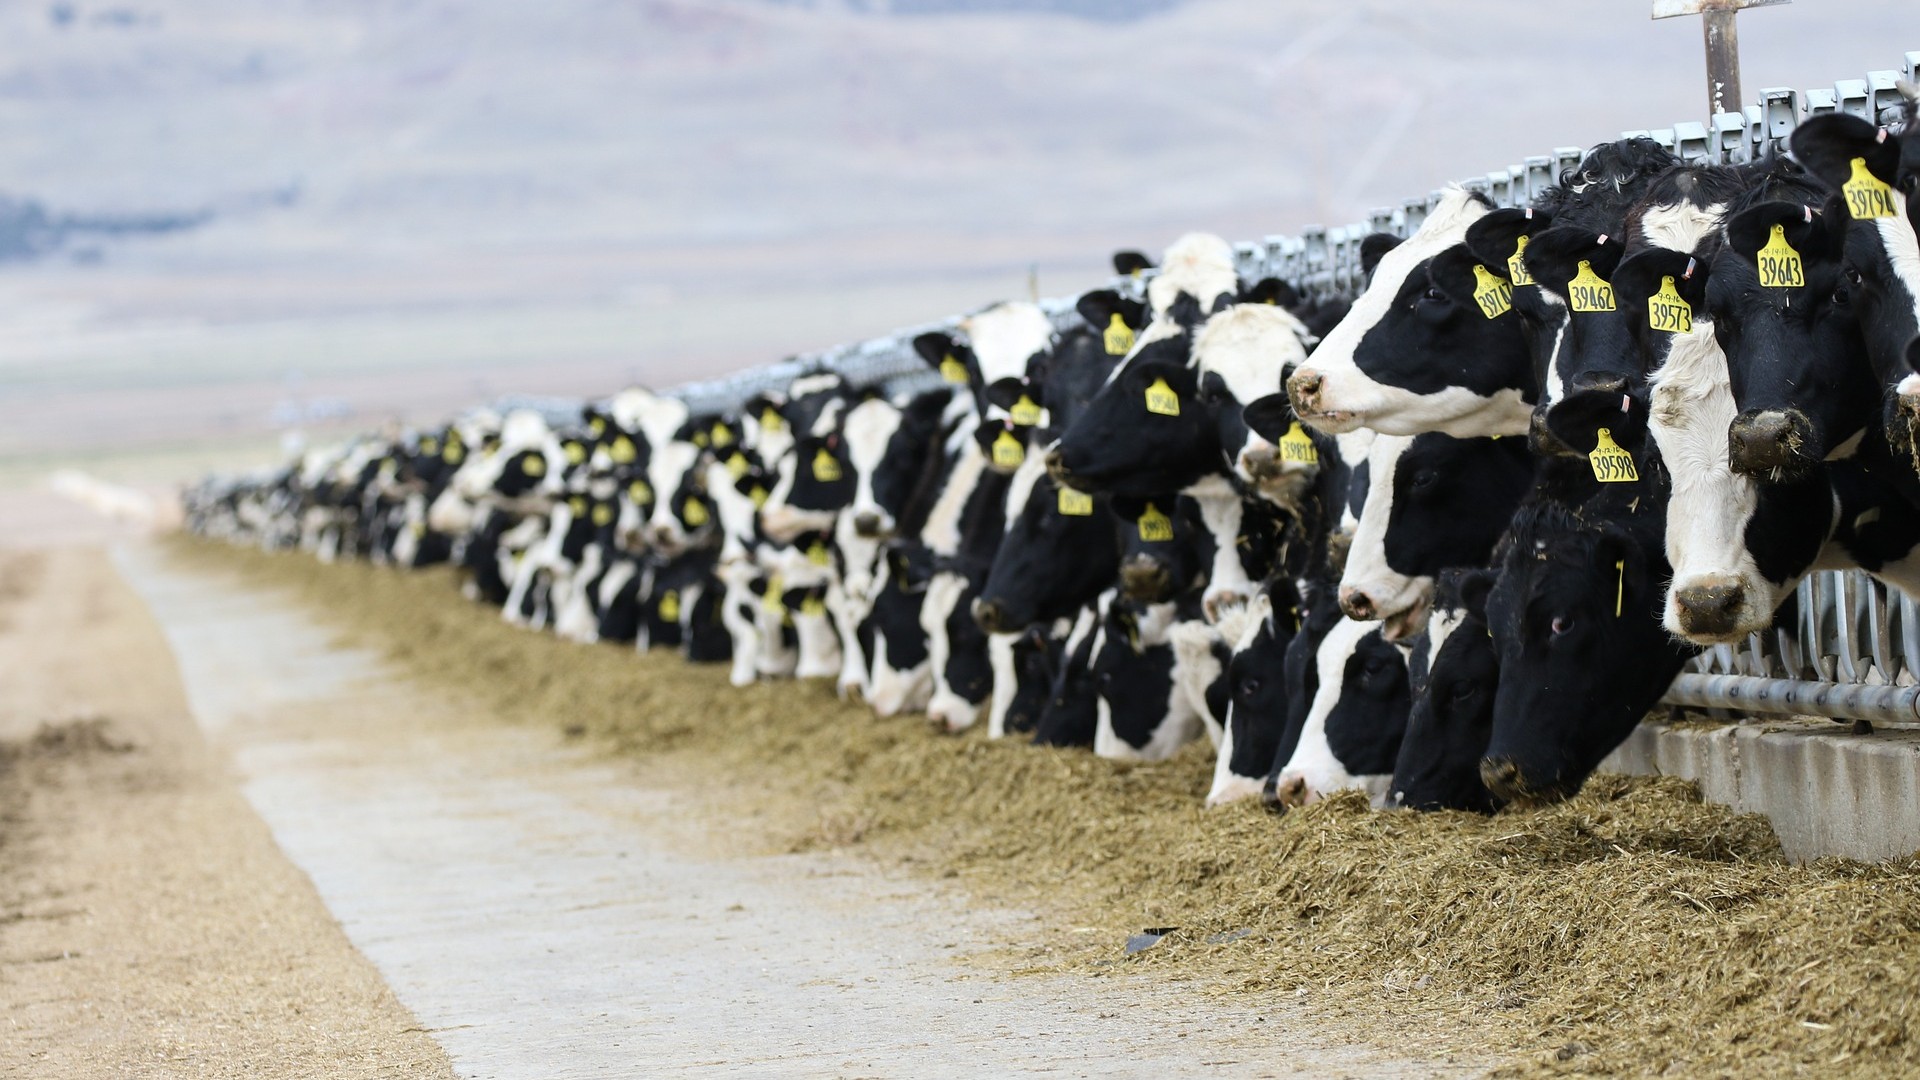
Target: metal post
[1722,44]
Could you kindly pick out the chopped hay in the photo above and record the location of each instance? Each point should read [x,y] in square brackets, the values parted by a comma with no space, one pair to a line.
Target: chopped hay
[1631,930]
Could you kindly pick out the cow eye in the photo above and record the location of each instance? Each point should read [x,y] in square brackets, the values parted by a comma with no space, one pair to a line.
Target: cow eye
[1250,686]
[1460,691]
[1561,624]
[1425,480]
[1433,295]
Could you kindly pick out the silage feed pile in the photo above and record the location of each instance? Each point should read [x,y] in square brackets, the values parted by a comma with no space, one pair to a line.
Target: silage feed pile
[1632,930]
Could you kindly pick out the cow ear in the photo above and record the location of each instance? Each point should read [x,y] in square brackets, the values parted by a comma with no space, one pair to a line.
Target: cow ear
[1270,291]
[1475,586]
[935,347]
[1126,507]
[1101,305]
[1803,229]
[1554,256]
[1826,146]
[1129,263]
[1451,272]
[1269,417]
[1374,248]
[1494,237]
[1004,392]
[1639,277]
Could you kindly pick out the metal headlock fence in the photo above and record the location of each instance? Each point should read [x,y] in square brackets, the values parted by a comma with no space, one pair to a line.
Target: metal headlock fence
[1854,650]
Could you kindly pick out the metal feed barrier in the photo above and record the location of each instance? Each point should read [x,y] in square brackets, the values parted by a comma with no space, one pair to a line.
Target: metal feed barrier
[1854,651]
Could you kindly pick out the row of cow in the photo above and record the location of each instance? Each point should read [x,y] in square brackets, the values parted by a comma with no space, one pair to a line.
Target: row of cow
[1447,544]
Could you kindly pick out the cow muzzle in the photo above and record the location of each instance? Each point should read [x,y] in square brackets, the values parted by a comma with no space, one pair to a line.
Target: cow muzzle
[993,617]
[1146,579]
[1307,390]
[1292,792]
[869,525]
[1541,439]
[1774,444]
[1712,610]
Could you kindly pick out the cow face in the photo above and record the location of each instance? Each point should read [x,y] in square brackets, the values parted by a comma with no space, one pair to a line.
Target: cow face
[1165,547]
[1138,715]
[1594,375]
[1795,356]
[1434,502]
[1419,351]
[1071,713]
[1256,698]
[1058,553]
[957,650]
[1351,732]
[1144,433]
[1452,715]
[900,676]
[1736,546]
[1575,621]
[1240,357]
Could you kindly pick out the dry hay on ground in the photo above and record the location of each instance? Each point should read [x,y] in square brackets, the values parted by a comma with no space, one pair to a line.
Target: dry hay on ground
[1631,930]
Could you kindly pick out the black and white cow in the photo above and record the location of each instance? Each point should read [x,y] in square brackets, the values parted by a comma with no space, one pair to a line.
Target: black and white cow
[1451,720]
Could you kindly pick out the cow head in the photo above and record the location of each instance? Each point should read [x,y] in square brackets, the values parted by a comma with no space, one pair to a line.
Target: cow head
[1056,557]
[1256,706]
[1431,345]
[1593,372]
[1350,734]
[1452,715]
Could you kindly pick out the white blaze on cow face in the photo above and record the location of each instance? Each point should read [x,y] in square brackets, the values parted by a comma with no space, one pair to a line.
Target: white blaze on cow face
[1248,346]
[667,467]
[1228,583]
[1397,600]
[1241,629]
[1199,265]
[946,707]
[968,464]
[1711,505]
[1313,761]
[1004,337]
[869,429]
[1348,397]
[1006,681]
[1195,666]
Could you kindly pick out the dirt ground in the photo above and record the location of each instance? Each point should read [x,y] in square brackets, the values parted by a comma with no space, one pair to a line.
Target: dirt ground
[149,925]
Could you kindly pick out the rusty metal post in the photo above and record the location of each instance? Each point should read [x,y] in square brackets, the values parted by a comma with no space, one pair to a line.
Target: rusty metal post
[1722,42]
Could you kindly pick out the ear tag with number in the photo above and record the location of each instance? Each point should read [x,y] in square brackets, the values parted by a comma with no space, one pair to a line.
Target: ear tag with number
[454,452]
[640,491]
[1297,446]
[694,513]
[1118,336]
[598,426]
[576,453]
[722,436]
[818,555]
[1588,292]
[1025,412]
[622,451]
[737,465]
[700,439]
[1075,503]
[758,495]
[1007,451]
[670,605]
[1492,292]
[813,605]
[1667,311]
[826,468]
[533,465]
[773,600]
[1517,266]
[1611,464]
[1868,196]
[429,445]
[1161,400]
[602,513]
[953,370]
[1155,527]
[770,420]
[577,506]
[1779,264]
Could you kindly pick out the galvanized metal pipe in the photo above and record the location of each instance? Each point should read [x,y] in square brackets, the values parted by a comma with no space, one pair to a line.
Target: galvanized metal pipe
[1841,701]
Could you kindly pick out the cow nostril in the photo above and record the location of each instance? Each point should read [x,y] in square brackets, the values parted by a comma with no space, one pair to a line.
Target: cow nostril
[1502,777]
[1709,609]
[1598,382]
[1541,439]
[1302,385]
[1293,792]
[988,614]
[1759,443]
[1356,604]
[867,524]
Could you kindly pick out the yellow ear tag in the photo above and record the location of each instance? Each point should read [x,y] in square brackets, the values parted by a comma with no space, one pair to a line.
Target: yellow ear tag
[454,452]
[1517,266]
[722,436]
[429,445]
[1297,447]
[825,468]
[534,465]
[622,451]
[640,491]
[953,370]
[419,529]
[700,439]
[1007,451]
[758,495]
[1155,527]
[1611,464]
[1779,264]
[770,419]
[1868,196]
[1619,586]
[1667,311]
[1492,292]
[597,425]
[1025,412]
[737,465]
[577,506]
[773,601]
[602,513]
[1118,336]
[1161,399]
[1075,503]
[813,605]
[1587,292]
[694,513]
[670,605]
[818,554]
[576,453]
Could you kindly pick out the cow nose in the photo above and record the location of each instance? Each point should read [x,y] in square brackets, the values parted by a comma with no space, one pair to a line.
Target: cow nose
[663,534]
[1502,777]
[1761,443]
[1710,609]
[990,615]
[1261,462]
[1303,389]
[1293,792]
[1145,578]
[1541,439]
[1356,604]
[867,524]
[1600,383]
